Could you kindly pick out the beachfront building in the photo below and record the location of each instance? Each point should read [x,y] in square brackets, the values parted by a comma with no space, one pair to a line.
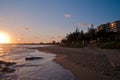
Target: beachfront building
[109,31]
[110,27]
[115,26]
[104,27]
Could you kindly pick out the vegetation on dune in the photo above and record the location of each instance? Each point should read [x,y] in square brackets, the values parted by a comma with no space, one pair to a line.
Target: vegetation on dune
[80,39]
[110,45]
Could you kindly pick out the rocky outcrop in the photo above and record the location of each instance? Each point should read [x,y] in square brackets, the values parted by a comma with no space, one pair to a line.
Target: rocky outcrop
[33,58]
[5,66]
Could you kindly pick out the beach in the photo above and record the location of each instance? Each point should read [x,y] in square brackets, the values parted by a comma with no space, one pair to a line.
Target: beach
[88,63]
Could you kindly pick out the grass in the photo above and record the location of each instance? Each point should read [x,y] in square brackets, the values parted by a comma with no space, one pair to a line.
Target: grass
[74,45]
[103,45]
[110,45]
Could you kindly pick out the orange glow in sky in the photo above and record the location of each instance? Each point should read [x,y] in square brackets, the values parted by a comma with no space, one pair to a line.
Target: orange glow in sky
[4,38]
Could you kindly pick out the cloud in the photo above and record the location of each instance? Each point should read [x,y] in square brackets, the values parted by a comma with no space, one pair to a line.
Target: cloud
[20,39]
[60,37]
[26,28]
[67,15]
[22,35]
[36,37]
[83,25]
[52,37]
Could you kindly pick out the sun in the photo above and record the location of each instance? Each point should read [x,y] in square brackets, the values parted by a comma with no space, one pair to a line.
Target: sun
[4,38]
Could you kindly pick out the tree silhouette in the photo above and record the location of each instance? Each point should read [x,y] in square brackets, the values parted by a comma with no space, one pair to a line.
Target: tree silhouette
[79,37]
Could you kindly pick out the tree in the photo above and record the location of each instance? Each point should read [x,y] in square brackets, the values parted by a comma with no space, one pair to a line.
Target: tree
[72,38]
[91,33]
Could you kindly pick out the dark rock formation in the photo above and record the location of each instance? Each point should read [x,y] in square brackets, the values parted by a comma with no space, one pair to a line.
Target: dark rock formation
[7,69]
[33,58]
[4,66]
[117,68]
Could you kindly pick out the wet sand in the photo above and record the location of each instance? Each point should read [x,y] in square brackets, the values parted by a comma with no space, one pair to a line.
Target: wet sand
[89,63]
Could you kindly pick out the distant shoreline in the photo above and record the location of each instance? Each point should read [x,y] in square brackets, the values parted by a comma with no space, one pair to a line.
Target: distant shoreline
[80,60]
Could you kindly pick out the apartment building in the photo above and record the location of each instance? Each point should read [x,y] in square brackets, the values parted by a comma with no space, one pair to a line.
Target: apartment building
[108,27]
[115,26]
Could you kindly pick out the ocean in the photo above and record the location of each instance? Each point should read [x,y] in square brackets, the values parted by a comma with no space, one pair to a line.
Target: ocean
[40,69]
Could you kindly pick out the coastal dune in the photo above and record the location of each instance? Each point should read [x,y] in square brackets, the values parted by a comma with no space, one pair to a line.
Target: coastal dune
[89,63]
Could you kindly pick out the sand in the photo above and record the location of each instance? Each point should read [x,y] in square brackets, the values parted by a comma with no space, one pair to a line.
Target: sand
[89,63]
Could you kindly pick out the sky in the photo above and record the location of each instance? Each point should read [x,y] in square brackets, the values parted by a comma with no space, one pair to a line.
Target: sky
[48,20]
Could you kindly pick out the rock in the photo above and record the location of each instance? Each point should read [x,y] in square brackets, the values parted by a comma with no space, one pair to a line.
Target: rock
[3,62]
[33,58]
[4,66]
[10,63]
[7,63]
[7,69]
[117,68]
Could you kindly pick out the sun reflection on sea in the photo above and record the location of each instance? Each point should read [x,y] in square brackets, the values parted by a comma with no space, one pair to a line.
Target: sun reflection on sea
[5,50]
